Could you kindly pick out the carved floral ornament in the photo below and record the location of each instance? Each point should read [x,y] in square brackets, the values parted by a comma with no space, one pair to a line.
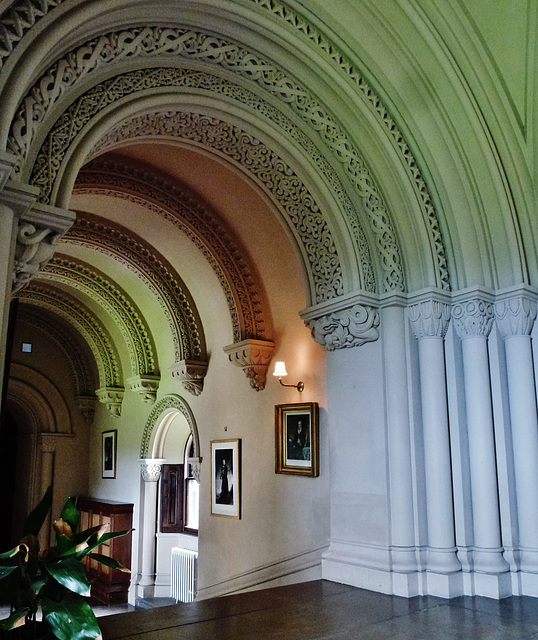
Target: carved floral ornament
[22,16]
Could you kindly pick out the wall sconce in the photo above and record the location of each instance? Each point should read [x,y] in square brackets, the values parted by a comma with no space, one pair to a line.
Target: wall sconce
[280,372]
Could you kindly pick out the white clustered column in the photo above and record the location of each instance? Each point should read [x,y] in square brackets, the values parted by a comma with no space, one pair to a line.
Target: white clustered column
[515,318]
[473,320]
[403,548]
[151,473]
[429,321]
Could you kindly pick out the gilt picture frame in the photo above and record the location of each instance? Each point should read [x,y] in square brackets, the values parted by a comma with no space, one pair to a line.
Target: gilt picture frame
[109,451]
[226,478]
[297,439]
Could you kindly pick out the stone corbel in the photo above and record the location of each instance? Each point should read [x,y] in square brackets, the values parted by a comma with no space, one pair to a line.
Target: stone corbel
[344,325]
[191,374]
[86,406]
[145,386]
[253,356]
[39,232]
[196,464]
[112,397]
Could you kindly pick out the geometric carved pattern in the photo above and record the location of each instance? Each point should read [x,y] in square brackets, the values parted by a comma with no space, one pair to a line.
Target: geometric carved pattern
[175,203]
[85,322]
[180,311]
[68,342]
[125,315]
[253,67]
[167,405]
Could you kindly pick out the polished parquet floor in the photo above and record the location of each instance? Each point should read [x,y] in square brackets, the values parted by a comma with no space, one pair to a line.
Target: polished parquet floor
[322,610]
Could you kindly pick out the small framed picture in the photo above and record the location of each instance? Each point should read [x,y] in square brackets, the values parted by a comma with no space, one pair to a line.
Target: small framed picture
[297,439]
[226,478]
[109,450]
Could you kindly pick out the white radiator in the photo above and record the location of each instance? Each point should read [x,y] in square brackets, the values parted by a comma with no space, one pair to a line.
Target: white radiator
[183,574]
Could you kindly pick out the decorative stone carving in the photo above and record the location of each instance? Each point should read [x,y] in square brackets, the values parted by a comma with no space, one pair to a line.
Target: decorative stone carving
[88,325]
[515,316]
[429,319]
[47,442]
[253,356]
[177,304]
[113,398]
[473,318]
[191,373]
[145,386]
[114,301]
[151,470]
[346,328]
[35,247]
[241,286]
[86,406]
[196,466]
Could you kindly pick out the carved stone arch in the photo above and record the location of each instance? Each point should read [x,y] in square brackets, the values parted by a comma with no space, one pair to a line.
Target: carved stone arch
[115,301]
[282,86]
[96,336]
[69,342]
[177,304]
[38,398]
[242,287]
[160,416]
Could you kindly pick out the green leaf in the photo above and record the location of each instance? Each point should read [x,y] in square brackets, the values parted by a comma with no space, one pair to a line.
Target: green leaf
[108,562]
[16,619]
[71,620]
[37,517]
[7,555]
[70,573]
[70,514]
[6,571]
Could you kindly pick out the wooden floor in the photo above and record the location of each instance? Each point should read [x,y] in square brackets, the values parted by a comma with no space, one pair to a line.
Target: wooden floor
[322,610]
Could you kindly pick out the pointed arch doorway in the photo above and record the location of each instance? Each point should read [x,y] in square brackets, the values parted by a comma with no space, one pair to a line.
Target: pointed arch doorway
[169,492]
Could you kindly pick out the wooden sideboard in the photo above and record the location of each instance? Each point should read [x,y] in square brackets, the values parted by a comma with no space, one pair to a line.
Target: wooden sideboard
[109,586]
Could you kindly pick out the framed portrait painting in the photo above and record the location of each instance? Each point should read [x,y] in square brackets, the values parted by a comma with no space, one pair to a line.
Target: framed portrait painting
[226,478]
[297,439]
[108,454]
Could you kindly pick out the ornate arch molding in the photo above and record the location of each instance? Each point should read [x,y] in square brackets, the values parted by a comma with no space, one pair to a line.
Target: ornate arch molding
[254,68]
[244,293]
[186,329]
[75,351]
[144,376]
[170,404]
[106,356]
[29,388]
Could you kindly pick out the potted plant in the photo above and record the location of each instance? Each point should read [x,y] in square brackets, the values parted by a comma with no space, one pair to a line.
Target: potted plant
[52,581]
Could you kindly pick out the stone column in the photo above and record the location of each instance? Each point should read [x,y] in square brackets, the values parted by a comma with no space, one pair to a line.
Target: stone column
[515,319]
[429,321]
[151,473]
[402,526]
[473,320]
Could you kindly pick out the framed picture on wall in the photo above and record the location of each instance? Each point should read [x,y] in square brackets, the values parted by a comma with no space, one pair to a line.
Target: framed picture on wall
[226,478]
[297,439]
[108,453]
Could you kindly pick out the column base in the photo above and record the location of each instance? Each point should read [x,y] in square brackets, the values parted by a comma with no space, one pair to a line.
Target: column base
[528,584]
[498,585]
[444,585]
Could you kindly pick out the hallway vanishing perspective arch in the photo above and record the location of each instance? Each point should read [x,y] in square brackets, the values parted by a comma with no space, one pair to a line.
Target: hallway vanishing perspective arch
[188,196]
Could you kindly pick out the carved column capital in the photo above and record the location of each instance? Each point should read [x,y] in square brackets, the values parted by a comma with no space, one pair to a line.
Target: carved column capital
[515,316]
[253,356]
[39,232]
[86,406]
[473,318]
[151,469]
[346,328]
[47,443]
[196,466]
[191,373]
[113,398]
[429,319]
[145,387]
